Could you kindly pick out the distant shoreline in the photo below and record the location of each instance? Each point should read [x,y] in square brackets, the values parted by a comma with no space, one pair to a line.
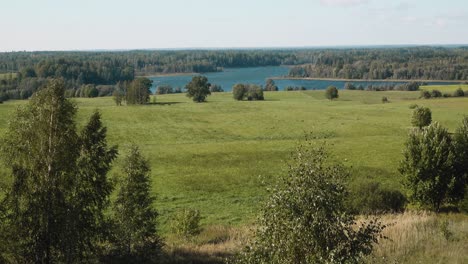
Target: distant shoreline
[168,74]
[364,80]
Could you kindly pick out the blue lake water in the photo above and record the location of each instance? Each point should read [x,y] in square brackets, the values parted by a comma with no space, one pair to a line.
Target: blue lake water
[258,75]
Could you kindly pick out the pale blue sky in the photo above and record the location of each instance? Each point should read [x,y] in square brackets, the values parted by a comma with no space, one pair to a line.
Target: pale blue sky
[139,24]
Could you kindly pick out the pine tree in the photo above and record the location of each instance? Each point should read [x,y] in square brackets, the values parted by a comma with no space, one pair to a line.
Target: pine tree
[135,218]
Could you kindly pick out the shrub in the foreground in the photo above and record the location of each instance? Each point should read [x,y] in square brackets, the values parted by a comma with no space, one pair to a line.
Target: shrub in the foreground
[331,92]
[254,93]
[186,223]
[371,198]
[422,116]
[385,100]
[305,219]
[446,95]
[428,166]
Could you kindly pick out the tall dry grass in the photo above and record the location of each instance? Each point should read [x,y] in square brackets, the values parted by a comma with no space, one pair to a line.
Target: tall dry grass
[423,237]
[413,237]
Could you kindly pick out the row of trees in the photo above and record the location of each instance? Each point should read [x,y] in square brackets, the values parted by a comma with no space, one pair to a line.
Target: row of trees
[55,206]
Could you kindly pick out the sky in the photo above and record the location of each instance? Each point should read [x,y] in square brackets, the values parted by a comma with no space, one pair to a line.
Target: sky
[33,25]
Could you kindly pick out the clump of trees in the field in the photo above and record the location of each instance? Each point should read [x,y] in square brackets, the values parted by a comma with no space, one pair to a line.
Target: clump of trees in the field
[331,93]
[435,163]
[411,86]
[305,219]
[295,88]
[138,91]
[250,92]
[437,94]
[198,89]
[55,204]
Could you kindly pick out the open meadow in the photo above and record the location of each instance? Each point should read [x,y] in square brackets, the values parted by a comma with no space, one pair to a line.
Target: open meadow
[219,157]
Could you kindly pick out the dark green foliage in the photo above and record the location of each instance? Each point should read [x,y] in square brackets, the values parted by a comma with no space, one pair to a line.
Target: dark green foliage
[198,89]
[371,198]
[270,86]
[186,223]
[40,148]
[425,94]
[138,92]
[90,192]
[422,116]
[436,93]
[164,89]
[305,219]
[446,95]
[413,106]
[385,100]
[250,92]
[135,239]
[54,207]
[459,185]
[331,92]
[239,91]
[428,165]
[459,93]
[295,88]
[423,63]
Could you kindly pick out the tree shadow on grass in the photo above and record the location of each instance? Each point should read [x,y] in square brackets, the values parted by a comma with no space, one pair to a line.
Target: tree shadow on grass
[165,103]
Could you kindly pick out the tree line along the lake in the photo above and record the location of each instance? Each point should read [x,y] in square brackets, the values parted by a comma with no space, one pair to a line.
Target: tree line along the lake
[30,70]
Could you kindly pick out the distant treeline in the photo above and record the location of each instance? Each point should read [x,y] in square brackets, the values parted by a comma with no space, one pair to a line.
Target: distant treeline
[423,63]
[79,69]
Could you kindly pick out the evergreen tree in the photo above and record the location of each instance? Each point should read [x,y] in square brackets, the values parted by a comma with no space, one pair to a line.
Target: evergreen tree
[92,188]
[136,240]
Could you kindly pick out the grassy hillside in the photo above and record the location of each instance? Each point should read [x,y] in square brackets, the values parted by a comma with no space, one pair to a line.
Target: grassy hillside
[218,156]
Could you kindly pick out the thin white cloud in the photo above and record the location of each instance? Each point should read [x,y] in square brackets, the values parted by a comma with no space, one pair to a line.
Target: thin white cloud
[343,2]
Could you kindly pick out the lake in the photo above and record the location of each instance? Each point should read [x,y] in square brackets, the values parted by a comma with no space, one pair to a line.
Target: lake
[258,75]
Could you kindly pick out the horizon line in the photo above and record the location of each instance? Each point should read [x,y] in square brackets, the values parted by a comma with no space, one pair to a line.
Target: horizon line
[246,48]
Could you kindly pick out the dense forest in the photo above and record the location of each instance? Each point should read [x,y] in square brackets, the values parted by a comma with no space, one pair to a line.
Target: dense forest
[95,73]
[421,63]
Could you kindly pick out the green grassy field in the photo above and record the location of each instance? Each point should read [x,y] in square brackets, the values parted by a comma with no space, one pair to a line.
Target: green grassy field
[218,156]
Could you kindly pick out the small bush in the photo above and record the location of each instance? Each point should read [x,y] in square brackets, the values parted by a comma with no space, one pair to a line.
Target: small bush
[446,95]
[385,100]
[459,93]
[425,94]
[186,223]
[436,93]
[331,92]
[444,229]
